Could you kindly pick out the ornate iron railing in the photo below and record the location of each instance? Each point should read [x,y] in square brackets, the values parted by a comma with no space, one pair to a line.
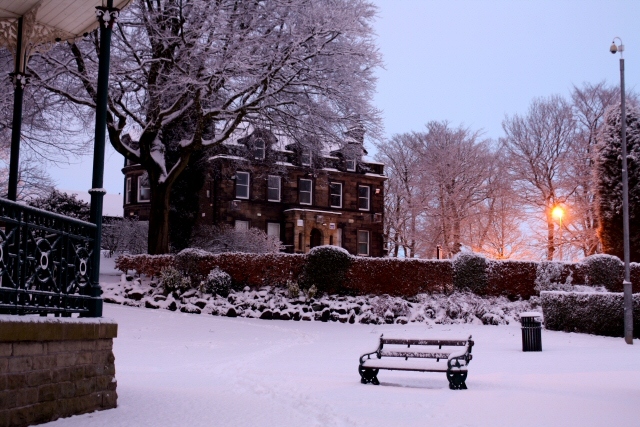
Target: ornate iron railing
[45,262]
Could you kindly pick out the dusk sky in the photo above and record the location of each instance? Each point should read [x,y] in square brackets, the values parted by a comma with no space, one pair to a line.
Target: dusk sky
[472,63]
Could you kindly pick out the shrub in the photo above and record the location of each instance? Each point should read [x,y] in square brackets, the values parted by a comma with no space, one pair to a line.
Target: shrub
[553,276]
[173,281]
[217,282]
[385,303]
[470,272]
[293,290]
[310,292]
[604,270]
[187,261]
[588,312]
[326,269]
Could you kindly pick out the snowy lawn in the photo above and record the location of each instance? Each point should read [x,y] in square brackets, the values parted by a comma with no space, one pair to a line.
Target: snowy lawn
[177,369]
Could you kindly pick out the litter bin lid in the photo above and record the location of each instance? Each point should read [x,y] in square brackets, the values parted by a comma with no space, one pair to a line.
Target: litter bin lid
[530,314]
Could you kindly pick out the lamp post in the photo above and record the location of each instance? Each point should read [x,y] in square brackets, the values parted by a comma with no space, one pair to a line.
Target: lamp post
[628,302]
[558,213]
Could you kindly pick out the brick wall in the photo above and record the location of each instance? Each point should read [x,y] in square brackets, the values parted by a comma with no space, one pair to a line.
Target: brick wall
[54,367]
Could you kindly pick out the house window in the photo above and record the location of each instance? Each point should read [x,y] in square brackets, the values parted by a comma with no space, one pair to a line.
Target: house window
[259,149]
[242,225]
[273,190]
[242,185]
[127,193]
[363,242]
[273,229]
[305,190]
[335,195]
[144,189]
[351,165]
[305,157]
[363,197]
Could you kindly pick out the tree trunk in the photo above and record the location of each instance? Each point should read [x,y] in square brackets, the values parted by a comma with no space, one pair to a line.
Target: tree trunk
[159,219]
[457,244]
[550,238]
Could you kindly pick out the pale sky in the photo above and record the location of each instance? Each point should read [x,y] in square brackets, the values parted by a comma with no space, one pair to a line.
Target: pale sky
[473,62]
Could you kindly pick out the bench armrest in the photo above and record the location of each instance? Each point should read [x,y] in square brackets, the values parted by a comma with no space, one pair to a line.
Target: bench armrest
[367,355]
[461,357]
[376,352]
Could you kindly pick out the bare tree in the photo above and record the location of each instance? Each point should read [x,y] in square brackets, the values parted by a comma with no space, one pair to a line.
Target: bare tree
[33,179]
[539,146]
[189,74]
[38,149]
[228,239]
[496,229]
[403,197]
[455,167]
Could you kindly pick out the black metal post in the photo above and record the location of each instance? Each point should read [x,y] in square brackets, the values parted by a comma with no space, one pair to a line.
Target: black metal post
[628,297]
[107,17]
[19,80]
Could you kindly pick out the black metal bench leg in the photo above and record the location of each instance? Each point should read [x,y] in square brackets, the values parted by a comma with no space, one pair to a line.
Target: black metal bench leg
[368,375]
[457,380]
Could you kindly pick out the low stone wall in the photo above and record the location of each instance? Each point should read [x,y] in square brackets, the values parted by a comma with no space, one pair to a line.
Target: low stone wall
[55,367]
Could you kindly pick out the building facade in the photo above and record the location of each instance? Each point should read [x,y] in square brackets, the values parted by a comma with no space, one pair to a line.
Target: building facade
[305,196]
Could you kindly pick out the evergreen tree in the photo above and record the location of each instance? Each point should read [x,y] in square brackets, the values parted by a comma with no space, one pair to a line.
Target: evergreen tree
[63,203]
[609,182]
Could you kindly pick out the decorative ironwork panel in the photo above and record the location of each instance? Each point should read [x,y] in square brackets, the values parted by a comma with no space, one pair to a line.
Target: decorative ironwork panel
[45,261]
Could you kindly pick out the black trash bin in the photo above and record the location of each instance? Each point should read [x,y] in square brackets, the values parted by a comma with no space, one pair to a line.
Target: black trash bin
[531,331]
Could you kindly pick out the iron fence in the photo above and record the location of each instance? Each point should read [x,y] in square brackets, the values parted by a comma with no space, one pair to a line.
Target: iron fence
[45,262]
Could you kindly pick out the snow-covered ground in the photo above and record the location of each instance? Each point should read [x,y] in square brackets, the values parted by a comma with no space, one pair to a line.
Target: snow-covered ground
[179,369]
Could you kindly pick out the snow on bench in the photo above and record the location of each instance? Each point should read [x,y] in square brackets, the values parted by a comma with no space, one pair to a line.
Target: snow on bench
[390,358]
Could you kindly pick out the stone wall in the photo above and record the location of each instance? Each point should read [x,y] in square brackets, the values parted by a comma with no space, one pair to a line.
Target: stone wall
[55,367]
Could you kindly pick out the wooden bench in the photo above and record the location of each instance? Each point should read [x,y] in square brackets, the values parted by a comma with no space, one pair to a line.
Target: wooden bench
[392,355]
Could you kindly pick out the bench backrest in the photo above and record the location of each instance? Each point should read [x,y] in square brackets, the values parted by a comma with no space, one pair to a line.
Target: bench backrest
[438,342]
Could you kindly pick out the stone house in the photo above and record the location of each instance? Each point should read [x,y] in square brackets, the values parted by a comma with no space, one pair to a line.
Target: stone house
[301,193]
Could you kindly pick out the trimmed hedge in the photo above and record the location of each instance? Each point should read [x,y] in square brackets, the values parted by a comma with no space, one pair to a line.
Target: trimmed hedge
[399,276]
[512,279]
[592,313]
[149,265]
[377,276]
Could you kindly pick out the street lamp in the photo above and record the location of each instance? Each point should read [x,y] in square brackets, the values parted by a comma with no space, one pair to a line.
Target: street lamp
[557,213]
[628,303]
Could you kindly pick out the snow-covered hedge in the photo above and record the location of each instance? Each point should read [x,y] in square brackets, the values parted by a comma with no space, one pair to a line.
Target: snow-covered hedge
[604,270]
[512,279]
[553,276]
[376,276]
[399,276]
[599,313]
[470,272]
[149,265]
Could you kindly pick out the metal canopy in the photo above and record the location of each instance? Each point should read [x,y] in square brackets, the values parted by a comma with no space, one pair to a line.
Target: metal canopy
[47,21]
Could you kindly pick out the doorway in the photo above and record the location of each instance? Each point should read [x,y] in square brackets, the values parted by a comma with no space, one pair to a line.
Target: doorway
[315,238]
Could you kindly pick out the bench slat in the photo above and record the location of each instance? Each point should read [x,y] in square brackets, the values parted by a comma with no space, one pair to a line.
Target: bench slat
[416,354]
[409,365]
[438,342]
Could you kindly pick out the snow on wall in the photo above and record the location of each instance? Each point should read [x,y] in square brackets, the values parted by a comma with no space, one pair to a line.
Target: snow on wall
[269,302]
